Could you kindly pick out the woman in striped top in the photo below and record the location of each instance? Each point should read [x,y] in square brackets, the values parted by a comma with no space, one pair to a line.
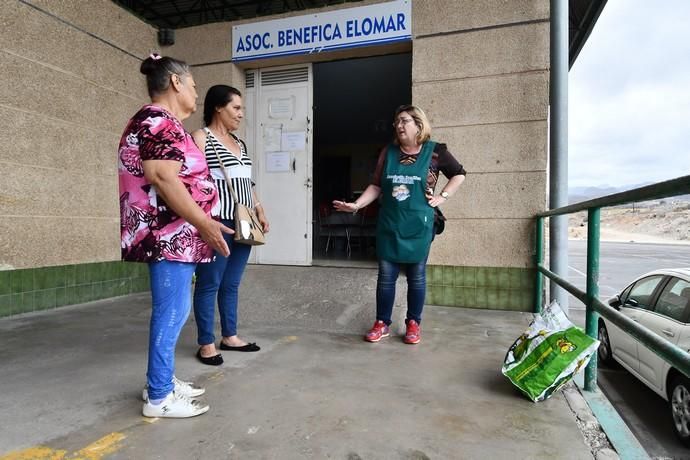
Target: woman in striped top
[221,278]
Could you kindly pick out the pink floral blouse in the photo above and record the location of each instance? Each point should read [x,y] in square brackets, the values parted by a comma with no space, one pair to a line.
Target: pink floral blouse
[150,231]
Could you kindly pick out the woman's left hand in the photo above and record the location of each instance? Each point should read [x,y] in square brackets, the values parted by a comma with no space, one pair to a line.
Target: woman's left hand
[263,221]
[435,200]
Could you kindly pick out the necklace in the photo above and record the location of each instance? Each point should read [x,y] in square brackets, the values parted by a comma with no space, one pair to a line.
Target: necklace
[417,148]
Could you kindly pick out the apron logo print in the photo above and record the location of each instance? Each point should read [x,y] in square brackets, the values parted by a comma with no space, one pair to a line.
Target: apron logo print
[401,192]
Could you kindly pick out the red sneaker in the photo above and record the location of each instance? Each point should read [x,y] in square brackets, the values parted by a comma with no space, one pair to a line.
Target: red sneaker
[378,332]
[413,334]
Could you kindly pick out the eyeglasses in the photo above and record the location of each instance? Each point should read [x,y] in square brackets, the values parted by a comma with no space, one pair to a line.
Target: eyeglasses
[403,121]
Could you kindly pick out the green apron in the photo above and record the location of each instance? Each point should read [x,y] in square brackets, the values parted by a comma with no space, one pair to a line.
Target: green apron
[405,221]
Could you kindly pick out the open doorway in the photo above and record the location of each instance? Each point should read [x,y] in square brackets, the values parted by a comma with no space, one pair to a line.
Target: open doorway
[354,101]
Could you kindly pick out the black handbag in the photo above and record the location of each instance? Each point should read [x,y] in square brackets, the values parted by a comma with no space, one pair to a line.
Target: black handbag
[439,221]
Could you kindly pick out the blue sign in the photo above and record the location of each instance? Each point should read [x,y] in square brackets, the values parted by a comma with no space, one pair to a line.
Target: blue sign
[347,28]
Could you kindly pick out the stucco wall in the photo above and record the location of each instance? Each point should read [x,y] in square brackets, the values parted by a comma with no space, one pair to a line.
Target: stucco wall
[64,101]
[480,70]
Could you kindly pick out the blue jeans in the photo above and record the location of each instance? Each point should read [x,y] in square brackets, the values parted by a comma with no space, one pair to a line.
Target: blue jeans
[219,279]
[385,289]
[171,291]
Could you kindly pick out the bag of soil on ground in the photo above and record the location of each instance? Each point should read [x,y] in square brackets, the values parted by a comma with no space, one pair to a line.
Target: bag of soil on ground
[548,354]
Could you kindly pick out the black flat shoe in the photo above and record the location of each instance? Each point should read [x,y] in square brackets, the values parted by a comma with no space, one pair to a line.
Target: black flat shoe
[216,360]
[247,347]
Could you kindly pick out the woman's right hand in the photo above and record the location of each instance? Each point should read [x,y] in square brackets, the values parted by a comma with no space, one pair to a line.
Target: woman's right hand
[212,232]
[344,206]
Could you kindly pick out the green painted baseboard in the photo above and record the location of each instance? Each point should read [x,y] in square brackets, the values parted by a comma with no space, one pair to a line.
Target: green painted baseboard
[35,289]
[494,288]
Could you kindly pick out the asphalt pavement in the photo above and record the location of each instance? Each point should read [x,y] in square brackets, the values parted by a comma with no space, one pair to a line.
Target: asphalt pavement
[645,412]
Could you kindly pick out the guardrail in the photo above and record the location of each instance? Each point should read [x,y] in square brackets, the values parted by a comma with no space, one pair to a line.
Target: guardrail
[595,307]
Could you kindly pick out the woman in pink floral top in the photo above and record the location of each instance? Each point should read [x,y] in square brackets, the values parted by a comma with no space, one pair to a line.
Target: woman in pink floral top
[167,200]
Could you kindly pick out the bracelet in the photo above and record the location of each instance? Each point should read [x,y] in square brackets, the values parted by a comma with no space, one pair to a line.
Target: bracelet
[356,207]
[257,204]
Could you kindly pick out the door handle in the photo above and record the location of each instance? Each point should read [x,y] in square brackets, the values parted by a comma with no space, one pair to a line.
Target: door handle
[668,333]
[294,162]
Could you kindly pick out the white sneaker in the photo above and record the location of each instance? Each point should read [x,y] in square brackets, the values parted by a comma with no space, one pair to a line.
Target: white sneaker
[175,405]
[187,389]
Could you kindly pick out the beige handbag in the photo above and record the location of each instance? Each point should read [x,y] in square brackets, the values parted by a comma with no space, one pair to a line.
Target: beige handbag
[248,229]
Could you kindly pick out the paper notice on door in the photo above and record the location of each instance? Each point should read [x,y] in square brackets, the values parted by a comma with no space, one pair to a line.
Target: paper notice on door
[278,162]
[272,138]
[292,141]
[281,107]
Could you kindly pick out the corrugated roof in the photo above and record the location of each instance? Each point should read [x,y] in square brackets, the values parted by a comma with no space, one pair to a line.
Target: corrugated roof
[583,14]
[174,14]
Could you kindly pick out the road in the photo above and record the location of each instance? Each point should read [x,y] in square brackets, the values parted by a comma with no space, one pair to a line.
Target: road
[644,411]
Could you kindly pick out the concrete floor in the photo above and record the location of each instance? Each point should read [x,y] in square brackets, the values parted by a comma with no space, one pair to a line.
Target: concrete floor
[71,381]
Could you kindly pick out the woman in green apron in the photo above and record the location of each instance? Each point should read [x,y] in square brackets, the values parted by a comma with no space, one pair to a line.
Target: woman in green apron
[405,179]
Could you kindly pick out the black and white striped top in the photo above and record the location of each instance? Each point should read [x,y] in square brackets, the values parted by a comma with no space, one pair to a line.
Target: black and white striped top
[239,170]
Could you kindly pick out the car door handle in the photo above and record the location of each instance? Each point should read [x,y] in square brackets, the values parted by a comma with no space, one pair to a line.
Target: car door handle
[668,333]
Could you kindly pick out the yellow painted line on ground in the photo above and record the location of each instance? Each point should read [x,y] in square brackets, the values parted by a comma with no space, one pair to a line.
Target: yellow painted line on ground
[36,453]
[107,445]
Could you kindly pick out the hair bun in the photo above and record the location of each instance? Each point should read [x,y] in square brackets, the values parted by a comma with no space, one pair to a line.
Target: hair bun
[149,65]
[158,70]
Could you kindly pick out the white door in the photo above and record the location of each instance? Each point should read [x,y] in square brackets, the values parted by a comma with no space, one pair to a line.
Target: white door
[249,100]
[667,321]
[623,345]
[652,366]
[281,133]
[636,303]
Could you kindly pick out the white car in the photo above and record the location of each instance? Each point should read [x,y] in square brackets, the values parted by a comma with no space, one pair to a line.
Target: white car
[659,301]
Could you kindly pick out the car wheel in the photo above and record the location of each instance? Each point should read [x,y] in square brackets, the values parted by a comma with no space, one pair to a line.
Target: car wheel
[680,407]
[604,352]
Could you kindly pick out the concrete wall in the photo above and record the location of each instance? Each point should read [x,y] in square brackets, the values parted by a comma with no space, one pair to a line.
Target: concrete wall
[64,101]
[480,70]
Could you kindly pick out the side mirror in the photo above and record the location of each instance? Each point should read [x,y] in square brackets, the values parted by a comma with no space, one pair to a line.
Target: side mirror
[632,302]
[615,302]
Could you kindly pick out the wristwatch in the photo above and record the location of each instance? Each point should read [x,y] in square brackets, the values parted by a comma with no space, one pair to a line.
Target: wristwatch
[445,195]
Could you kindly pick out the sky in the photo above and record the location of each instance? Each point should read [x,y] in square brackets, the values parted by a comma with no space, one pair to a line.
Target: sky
[629,96]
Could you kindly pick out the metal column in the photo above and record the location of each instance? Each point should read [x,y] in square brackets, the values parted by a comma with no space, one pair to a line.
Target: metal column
[592,318]
[558,151]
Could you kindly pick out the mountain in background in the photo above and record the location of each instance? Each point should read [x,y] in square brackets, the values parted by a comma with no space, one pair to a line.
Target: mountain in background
[578,194]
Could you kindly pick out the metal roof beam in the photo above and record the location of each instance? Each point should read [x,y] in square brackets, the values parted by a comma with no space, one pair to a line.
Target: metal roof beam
[582,26]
